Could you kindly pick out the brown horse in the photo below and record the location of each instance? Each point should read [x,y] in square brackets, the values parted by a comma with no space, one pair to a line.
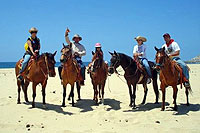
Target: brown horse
[70,73]
[170,75]
[37,72]
[98,74]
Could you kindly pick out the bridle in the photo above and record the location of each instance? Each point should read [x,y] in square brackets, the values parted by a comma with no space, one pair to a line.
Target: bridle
[161,65]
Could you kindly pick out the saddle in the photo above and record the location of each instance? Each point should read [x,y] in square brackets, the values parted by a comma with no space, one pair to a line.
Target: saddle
[28,67]
[181,77]
[78,69]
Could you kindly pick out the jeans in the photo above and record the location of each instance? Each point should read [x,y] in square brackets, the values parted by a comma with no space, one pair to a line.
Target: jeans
[25,62]
[183,66]
[146,65]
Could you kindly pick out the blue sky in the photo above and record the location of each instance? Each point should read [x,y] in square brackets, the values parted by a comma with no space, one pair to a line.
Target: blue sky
[113,23]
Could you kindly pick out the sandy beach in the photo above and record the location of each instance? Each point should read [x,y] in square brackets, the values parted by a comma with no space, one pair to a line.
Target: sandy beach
[113,117]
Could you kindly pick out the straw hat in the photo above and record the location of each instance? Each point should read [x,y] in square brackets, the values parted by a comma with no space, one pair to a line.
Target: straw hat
[33,29]
[140,38]
[77,36]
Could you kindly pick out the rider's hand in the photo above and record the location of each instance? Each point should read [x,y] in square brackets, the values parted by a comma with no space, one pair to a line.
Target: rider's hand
[66,32]
[36,51]
[76,54]
[34,54]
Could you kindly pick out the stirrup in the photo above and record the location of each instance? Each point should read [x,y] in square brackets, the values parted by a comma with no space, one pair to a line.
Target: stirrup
[19,77]
[148,80]
[187,84]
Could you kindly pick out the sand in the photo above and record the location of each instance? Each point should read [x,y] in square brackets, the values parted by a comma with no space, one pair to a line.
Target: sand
[86,117]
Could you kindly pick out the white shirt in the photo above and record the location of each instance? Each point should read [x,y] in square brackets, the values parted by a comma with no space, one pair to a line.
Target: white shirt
[76,47]
[140,49]
[172,48]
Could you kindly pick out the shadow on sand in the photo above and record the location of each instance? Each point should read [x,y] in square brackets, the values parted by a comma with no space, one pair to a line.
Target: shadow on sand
[184,110]
[87,104]
[146,107]
[49,107]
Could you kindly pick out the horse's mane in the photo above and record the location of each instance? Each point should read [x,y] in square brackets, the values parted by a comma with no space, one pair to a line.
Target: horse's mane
[126,56]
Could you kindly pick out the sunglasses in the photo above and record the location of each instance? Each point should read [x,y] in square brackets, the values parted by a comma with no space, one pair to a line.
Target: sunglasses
[33,32]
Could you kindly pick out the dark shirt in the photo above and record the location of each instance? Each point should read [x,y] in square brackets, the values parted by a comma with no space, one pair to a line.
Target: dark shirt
[35,45]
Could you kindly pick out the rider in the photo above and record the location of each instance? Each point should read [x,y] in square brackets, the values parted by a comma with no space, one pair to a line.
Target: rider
[172,49]
[33,50]
[97,49]
[78,50]
[139,52]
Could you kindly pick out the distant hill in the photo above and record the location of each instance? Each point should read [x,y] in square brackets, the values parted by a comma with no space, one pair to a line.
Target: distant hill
[194,60]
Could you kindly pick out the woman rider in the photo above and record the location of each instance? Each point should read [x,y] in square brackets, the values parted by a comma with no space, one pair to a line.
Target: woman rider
[33,50]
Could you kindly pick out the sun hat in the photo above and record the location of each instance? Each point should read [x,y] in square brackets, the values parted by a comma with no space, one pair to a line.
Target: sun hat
[140,38]
[77,36]
[33,29]
[97,45]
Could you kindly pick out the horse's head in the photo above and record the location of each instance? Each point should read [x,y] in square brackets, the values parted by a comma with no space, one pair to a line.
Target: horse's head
[50,62]
[66,52]
[97,60]
[160,57]
[114,62]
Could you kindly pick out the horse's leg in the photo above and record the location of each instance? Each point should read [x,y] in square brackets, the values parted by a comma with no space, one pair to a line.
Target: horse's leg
[72,95]
[99,91]
[43,91]
[163,96]
[102,90]
[95,93]
[26,84]
[145,93]
[78,89]
[131,95]
[134,94]
[64,95]
[175,91]
[187,93]
[155,86]
[19,90]
[34,93]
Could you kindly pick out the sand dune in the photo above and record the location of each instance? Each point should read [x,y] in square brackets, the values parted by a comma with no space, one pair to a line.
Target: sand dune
[86,117]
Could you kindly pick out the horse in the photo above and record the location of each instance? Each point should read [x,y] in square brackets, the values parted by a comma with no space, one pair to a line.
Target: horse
[98,74]
[70,73]
[133,75]
[170,75]
[36,72]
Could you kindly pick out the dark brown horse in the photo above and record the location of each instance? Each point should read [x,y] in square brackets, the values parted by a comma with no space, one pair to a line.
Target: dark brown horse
[170,75]
[98,75]
[133,75]
[70,73]
[37,73]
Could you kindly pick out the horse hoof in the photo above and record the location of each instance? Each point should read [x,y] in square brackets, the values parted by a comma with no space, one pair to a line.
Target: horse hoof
[69,99]
[156,103]
[175,108]
[18,102]
[134,107]
[143,103]
[73,105]
[188,104]
[63,105]
[33,106]
[162,109]
[78,99]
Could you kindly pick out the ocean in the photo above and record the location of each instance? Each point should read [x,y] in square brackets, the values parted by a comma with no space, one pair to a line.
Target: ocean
[12,64]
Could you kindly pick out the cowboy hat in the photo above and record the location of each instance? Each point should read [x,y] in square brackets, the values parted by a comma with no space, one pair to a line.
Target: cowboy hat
[140,38]
[33,29]
[77,36]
